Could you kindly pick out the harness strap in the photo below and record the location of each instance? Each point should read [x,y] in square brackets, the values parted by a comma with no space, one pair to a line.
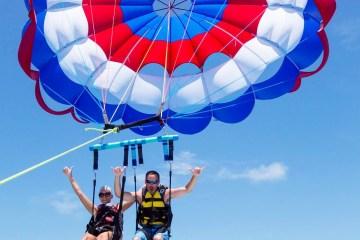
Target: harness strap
[117,234]
[95,168]
[133,155]
[126,155]
[147,235]
[170,215]
[162,230]
[140,154]
[136,203]
[171,150]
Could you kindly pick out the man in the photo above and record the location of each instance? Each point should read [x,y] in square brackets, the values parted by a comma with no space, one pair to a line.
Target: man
[102,227]
[154,214]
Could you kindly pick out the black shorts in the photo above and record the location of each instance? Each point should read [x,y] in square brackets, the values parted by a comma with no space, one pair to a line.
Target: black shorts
[98,230]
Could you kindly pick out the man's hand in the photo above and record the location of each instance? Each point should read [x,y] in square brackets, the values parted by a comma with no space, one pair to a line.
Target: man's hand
[196,171]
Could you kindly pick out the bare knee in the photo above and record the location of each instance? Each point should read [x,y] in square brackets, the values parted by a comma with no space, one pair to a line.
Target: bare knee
[157,237]
[88,236]
[105,236]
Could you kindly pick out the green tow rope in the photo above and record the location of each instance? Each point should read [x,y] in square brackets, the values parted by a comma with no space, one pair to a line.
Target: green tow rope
[54,158]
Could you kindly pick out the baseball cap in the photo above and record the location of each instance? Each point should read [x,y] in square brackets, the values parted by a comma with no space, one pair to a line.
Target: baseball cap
[106,188]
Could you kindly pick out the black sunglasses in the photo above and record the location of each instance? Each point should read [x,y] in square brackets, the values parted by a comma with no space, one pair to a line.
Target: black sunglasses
[152,181]
[105,194]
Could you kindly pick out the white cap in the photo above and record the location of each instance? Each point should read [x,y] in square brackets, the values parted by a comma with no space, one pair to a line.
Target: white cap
[107,188]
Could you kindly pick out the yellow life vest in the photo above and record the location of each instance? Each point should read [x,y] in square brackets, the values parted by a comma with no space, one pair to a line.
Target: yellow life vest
[153,211]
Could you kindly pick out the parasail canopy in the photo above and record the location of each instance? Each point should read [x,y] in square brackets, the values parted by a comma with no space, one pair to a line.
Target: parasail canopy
[191,61]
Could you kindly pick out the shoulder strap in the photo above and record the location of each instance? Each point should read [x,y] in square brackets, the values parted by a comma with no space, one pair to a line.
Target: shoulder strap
[143,192]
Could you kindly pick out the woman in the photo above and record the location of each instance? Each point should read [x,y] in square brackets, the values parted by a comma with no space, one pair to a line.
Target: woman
[102,226]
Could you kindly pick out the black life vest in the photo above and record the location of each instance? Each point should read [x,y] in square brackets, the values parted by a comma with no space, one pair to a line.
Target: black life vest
[105,221]
[106,214]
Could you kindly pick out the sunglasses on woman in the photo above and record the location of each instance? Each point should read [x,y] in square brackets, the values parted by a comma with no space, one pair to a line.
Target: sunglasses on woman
[104,194]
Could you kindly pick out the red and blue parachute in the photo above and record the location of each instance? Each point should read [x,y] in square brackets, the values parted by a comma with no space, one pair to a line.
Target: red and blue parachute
[191,61]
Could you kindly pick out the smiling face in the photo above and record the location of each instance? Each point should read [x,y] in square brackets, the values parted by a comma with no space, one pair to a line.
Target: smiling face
[105,196]
[152,180]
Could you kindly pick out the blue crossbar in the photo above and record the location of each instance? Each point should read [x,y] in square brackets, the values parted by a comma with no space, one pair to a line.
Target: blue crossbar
[106,146]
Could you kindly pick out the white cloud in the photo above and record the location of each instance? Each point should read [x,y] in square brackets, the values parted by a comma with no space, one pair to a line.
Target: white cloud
[185,160]
[64,202]
[273,172]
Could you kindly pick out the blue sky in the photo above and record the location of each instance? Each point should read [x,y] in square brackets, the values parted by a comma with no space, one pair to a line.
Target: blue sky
[290,171]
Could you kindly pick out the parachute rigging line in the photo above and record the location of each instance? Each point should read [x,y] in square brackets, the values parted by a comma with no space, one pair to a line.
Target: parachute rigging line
[137,71]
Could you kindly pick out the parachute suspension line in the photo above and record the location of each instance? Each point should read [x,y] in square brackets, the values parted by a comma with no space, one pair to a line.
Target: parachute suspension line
[134,77]
[65,64]
[178,53]
[223,30]
[183,36]
[224,47]
[65,100]
[53,158]
[97,53]
[81,56]
[205,35]
[138,69]
[72,71]
[188,112]
[165,84]
[234,37]
[157,117]
[166,88]
[188,109]
[104,90]
[196,50]
[110,53]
